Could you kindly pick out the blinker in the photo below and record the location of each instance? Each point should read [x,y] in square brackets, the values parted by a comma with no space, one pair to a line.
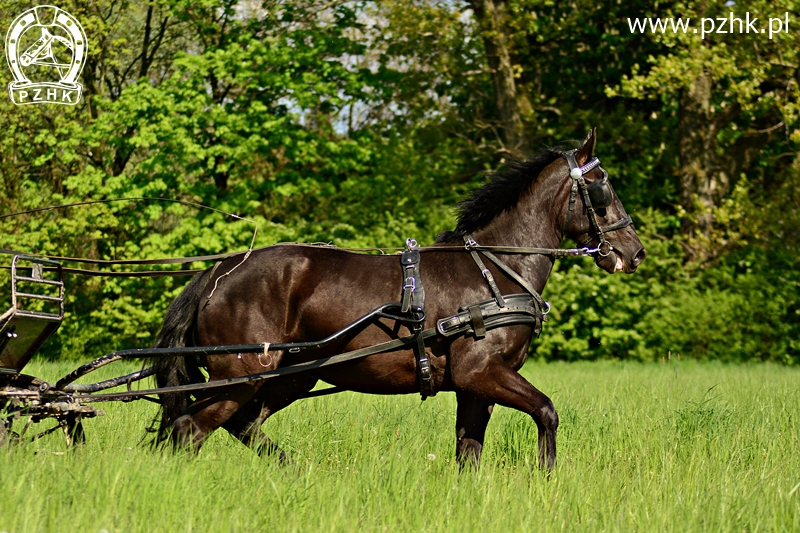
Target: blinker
[600,194]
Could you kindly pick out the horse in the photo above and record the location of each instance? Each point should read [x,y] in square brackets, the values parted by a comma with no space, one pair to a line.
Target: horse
[294,293]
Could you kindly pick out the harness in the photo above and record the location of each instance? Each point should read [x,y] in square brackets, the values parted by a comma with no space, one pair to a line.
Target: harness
[413,304]
[503,310]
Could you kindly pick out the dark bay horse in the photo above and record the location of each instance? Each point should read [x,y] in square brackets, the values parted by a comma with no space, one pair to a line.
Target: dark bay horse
[299,293]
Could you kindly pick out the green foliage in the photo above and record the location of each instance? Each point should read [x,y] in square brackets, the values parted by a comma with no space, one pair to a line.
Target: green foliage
[249,122]
[363,123]
[747,309]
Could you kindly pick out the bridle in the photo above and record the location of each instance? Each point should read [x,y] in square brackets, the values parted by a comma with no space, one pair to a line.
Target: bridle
[596,196]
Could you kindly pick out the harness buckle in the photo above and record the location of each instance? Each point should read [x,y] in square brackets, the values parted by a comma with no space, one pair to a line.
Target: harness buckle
[470,243]
[410,283]
[444,325]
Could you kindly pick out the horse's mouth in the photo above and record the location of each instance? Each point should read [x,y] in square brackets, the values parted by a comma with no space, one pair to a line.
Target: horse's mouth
[620,266]
[615,262]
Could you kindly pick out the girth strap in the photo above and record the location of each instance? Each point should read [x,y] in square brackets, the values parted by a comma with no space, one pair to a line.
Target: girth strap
[413,302]
[424,369]
[413,292]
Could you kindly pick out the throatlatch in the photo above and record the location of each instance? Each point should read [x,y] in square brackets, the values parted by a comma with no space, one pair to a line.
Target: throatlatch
[413,303]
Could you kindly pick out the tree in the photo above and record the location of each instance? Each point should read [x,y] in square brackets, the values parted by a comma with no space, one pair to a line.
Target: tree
[735,96]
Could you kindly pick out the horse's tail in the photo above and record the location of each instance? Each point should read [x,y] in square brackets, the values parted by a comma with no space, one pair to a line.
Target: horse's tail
[177,332]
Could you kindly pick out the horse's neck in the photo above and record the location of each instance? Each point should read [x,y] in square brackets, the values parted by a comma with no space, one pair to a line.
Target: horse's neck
[532,222]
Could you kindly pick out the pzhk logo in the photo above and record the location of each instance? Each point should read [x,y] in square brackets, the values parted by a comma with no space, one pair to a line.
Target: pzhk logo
[45,44]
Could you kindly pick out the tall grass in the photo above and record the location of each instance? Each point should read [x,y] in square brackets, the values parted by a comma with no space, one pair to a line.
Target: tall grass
[677,447]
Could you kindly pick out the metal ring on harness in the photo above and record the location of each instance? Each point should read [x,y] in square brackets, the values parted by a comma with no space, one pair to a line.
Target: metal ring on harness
[600,248]
[267,355]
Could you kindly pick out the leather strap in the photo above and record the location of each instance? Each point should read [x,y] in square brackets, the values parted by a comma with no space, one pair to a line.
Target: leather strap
[619,224]
[518,279]
[424,371]
[413,291]
[476,318]
[487,274]
[163,261]
[487,315]
[413,302]
[573,196]
[472,246]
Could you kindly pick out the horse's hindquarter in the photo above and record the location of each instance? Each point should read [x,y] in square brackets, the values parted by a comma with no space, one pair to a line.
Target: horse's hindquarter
[302,293]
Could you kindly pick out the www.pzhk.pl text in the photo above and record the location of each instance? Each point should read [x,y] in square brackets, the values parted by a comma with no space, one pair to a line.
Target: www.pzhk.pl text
[708,26]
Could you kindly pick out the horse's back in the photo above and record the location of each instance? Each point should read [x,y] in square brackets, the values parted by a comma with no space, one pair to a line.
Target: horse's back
[291,293]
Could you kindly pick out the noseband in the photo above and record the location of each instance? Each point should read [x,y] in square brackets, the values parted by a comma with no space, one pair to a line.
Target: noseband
[596,198]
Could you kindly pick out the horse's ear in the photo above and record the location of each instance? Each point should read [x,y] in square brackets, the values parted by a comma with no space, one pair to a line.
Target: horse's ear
[586,151]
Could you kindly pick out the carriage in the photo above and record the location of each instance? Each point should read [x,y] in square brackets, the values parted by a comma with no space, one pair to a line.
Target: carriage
[309,313]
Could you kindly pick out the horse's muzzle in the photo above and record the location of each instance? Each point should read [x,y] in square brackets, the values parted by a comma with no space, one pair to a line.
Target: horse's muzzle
[630,267]
[618,262]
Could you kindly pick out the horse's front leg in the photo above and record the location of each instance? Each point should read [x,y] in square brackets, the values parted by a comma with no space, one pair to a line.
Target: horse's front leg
[472,417]
[492,380]
[515,391]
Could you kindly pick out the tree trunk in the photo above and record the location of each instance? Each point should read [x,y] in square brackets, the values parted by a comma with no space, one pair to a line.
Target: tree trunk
[701,187]
[705,177]
[490,15]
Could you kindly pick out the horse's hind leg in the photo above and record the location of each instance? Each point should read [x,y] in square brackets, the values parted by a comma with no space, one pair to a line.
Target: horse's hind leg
[472,417]
[500,384]
[248,430]
[207,414]
[273,396]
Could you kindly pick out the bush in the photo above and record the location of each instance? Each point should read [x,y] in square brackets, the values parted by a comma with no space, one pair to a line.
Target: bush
[745,309]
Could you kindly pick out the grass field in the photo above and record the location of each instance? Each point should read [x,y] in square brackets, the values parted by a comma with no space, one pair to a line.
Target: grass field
[676,447]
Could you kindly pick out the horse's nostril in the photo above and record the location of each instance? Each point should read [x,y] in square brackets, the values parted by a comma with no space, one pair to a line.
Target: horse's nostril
[639,257]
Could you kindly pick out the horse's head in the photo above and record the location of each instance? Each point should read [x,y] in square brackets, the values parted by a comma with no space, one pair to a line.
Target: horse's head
[594,214]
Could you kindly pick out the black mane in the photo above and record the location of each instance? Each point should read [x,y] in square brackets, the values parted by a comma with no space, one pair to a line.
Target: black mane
[499,194]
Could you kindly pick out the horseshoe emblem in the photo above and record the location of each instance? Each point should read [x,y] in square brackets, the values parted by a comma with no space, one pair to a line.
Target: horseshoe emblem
[45,42]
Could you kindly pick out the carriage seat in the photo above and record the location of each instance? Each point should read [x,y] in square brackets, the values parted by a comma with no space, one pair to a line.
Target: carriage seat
[36,312]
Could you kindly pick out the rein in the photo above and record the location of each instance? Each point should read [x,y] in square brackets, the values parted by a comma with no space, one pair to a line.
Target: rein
[598,190]
[584,251]
[149,273]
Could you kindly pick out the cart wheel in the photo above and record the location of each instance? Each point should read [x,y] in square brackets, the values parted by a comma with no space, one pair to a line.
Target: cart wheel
[73,429]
